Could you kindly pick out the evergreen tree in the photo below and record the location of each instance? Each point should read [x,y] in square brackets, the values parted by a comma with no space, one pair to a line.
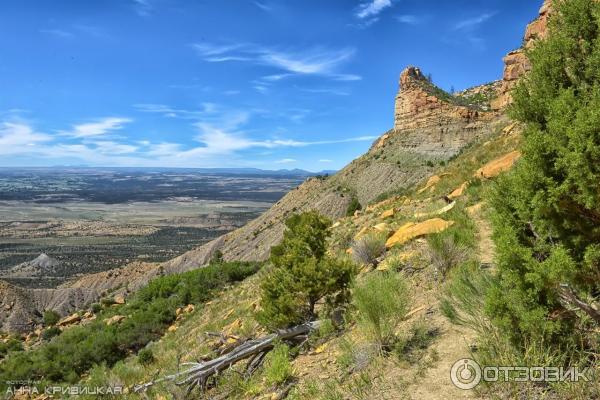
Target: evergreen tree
[547,210]
[302,273]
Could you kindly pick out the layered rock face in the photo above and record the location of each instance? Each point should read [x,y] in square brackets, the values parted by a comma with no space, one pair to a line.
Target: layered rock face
[516,63]
[429,121]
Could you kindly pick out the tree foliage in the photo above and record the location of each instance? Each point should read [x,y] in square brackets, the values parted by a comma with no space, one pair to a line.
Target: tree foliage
[302,273]
[547,211]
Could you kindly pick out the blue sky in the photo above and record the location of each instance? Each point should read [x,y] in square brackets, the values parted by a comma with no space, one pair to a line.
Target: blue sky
[229,83]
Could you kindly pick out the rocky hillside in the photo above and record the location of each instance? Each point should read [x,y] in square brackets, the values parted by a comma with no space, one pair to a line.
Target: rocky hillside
[430,128]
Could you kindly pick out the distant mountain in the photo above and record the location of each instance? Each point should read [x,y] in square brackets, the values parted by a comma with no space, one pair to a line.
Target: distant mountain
[42,265]
[227,171]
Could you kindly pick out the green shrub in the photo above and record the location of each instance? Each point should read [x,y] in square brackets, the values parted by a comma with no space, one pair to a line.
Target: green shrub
[547,210]
[382,302]
[11,345]
[353,206]
[368,249]
[145,356]
[149,313]
[51,332]
[278,368]
[51,317]
[302,274]
[96,308]
[445,253]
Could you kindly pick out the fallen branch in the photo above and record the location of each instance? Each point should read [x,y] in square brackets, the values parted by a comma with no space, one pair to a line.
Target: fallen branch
[568,296]
[198,374]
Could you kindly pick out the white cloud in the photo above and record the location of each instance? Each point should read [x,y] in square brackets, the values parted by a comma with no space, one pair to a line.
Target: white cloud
[57,32]
[473,22]
[409,19]
[19,138]
[263,6]
[98,128]
[372,8]
[312,61]
[143,7]
[325,160]
[286,161]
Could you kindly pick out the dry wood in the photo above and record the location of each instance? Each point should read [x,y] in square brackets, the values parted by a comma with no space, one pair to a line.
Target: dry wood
[569,297]
[198,374]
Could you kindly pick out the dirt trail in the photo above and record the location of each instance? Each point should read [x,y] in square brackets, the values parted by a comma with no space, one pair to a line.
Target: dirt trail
[453,343]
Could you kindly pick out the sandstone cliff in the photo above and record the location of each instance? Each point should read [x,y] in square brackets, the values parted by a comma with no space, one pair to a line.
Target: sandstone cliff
[516,63]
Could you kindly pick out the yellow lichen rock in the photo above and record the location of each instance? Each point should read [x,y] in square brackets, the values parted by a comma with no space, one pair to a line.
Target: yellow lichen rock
[70,320]
[431,182]
[441,211]
[499,165]
[388,213]
[459,191]
[411,230]
[114,319]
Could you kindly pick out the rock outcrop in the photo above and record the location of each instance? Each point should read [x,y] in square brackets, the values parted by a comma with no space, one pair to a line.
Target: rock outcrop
[516,63]
[432,122]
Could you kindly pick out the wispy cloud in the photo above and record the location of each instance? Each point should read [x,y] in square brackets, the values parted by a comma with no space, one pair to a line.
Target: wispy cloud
[471,23]
[143,7]
[57,33]
[263,6]
[372,8]
[312,61]
[19,138]
[97,128]
[409,19]
[325,161]
[286,161]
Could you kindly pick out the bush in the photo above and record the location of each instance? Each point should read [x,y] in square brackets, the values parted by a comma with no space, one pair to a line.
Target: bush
[49,333]
[96,308]
[51,317]
[368,249]
[145,356]
[353,207]
[445,253]
[278,369]
[302,274]
[149,313]
[547,210]
[382,302]
[11,345]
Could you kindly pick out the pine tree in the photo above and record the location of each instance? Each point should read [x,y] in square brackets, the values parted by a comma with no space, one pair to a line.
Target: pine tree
[547,211]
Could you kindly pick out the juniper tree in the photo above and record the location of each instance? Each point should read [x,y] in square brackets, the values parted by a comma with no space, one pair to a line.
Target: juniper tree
[547,210]
[302,273]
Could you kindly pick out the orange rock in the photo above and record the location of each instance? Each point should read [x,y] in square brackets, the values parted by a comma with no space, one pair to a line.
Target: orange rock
[232,327]
[172,328]
[388,213]
[70,320]
[459,191]
[411,230]
[499,165]
[434,180]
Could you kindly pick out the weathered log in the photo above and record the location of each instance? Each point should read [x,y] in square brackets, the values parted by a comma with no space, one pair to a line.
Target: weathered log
[568,296]
[199,373]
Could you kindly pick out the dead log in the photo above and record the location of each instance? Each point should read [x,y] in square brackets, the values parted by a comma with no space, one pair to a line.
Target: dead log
[568,296]
[198,374]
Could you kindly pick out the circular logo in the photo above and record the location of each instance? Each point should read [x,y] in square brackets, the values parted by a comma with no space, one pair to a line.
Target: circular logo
[465,374]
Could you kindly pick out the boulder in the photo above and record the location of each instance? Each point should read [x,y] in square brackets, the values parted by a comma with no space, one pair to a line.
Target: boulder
[119,299]
[114,319]
[388,213]
[499,165]
[70,320]
[411,230]
[431,182]
[459,191]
